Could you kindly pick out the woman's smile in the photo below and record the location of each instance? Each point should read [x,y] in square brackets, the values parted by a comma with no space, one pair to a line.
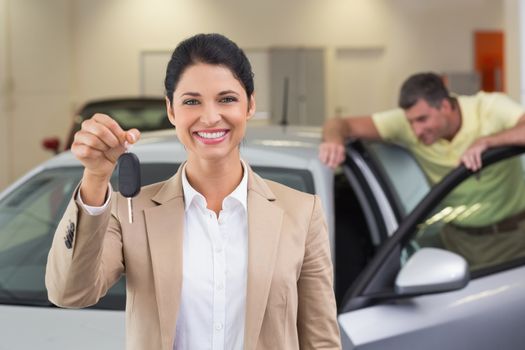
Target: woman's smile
[211,137]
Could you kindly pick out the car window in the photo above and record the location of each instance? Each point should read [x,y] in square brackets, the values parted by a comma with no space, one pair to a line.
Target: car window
[298,179]
[28,218]
[481,219]
[403,174]
[145,116]
[30,214]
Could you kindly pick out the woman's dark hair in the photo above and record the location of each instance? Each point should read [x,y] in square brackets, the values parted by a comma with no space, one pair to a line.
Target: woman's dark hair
[210,49]
[426,86]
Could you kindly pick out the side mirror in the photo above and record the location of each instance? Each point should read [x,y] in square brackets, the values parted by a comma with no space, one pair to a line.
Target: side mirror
[432,270]
[51,144]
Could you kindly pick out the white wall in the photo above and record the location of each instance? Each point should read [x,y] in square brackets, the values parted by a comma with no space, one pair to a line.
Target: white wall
[5,167]
[434,36]
[38,100]
[512,27]
[66,52]
[106,54]
[410,35]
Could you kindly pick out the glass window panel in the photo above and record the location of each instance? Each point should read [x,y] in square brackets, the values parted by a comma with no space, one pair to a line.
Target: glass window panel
[403,174]
[482,219]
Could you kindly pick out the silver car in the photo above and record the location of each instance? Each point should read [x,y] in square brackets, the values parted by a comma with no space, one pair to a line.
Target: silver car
[396,286]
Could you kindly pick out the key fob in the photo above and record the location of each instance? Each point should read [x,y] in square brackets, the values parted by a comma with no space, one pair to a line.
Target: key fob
[129,175]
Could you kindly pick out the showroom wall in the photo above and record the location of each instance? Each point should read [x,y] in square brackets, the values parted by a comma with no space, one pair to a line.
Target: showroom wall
[4,95]
[60,53]
[408,36]
[36,82]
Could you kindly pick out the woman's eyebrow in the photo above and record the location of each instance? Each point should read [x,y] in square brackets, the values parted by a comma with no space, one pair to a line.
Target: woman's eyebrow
[227,92]
[189,93]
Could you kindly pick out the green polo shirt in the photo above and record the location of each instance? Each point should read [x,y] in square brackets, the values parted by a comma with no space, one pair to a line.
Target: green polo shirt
[500,191]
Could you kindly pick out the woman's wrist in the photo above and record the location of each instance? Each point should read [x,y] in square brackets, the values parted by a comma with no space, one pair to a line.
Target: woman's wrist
[93,188]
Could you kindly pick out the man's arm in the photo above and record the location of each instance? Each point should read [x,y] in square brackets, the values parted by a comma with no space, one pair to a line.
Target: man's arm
[514,136]
[337,130]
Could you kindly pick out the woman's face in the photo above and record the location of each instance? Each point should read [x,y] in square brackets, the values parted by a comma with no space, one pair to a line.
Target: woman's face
[210,110]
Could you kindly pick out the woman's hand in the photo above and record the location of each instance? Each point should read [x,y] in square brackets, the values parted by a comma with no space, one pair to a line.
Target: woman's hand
[98,145]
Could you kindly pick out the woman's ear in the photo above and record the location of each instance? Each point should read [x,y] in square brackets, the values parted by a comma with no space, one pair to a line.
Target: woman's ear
[169,110]
[251,106]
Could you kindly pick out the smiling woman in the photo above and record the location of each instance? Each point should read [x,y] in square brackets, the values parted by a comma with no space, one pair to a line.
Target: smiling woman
[211,121]
[216,257]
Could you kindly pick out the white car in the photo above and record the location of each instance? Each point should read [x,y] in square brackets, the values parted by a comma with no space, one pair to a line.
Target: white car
[396,287]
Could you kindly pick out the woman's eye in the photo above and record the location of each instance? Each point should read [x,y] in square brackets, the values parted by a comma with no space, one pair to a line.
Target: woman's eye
[228,99]
[190,102]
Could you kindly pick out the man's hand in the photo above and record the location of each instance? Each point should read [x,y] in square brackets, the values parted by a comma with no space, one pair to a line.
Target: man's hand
[337,130]
[332,154]
[472,156]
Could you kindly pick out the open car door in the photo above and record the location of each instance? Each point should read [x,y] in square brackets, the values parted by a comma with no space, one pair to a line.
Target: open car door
[416,294]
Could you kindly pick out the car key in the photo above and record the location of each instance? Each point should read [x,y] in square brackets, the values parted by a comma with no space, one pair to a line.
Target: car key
[129,178]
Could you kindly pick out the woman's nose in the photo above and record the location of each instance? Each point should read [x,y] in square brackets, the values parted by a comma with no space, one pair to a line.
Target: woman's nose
[210,115]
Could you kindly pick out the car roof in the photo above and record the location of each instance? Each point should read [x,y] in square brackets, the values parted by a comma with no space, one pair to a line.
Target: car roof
[263,144]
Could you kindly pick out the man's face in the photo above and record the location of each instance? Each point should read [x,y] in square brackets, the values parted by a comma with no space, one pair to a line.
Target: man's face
[428,123]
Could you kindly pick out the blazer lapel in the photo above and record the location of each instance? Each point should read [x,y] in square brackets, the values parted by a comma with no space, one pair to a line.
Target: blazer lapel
[165,231]
[264,229]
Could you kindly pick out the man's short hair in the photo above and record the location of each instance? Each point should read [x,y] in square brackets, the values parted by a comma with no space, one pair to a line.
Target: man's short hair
[426,86]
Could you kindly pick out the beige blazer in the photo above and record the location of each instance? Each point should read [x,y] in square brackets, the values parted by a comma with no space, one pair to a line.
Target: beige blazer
[289,303]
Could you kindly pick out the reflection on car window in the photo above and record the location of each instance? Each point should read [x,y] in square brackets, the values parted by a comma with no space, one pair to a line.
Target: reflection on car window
[482,219]
[30,215]
[403,174]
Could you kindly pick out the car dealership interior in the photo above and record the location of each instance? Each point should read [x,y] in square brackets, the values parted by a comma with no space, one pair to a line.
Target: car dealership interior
[398,283]
[345,57]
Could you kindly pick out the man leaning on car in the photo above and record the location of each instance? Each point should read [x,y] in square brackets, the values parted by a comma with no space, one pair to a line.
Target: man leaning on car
[443,131]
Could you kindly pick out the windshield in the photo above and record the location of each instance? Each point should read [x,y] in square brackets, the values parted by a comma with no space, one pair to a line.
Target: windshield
[30,214]
[28,218]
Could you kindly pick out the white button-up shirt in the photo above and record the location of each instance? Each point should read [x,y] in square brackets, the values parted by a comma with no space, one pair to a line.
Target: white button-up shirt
[215,269]
[215,265]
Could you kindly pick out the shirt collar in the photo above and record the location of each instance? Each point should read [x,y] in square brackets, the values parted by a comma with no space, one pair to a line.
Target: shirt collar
[240,193]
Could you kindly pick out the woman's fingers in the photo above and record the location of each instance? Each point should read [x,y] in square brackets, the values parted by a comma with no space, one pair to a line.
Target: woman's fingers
[132,135]
[89,156]
[91,140]
[106,129]
[100,142]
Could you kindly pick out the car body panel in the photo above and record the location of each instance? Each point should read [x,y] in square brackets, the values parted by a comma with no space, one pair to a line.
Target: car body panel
[489,314]
[28,327]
